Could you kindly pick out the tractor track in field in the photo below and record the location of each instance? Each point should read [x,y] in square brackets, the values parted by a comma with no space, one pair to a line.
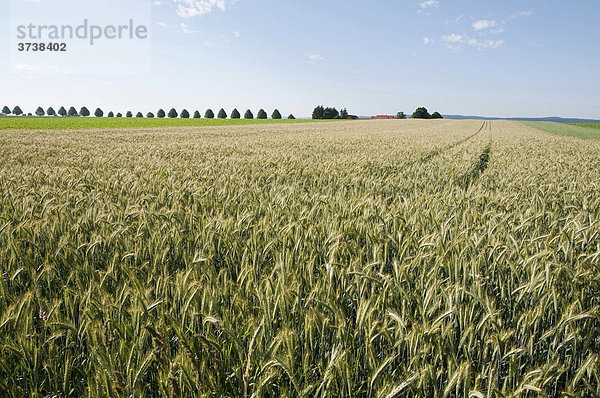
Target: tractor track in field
[451,146]
[479,166]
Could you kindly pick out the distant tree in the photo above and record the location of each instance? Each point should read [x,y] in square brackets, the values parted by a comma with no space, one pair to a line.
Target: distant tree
[344,114]
[331,113]
[99,112]
[84,111]
[62,111]
[150,115]
[235,114]
[436,115]
[222,114]
[318,112]
[129,114]
[248,114]
[40,111]
[51,112]
[160,113]
[119,114]
[276,114]
[400,115]
[291,117]
[72,112]
[261,114]
[17,111]
[185,114]
[197,115]
[173,113]
[6,110]
[29,114]
[110,114]
[139,114]
[209,114]
[421,113]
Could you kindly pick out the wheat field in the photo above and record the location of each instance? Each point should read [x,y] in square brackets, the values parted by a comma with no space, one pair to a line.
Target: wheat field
[356,259]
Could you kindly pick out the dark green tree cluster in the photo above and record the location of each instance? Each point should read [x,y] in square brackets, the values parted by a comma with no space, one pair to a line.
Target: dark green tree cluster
[321,112]
[422,113]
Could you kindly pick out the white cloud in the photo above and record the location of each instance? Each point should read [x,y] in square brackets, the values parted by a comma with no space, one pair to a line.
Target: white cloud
[485,43]
[186,29]
[484,24]
[26,67]
[527,13]
[192,8]
[236,34]
[429,3]
[314,58]
[453,38]
[427,40]
[496,31]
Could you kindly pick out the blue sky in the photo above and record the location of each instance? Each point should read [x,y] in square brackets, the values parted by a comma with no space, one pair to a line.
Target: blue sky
[489,58]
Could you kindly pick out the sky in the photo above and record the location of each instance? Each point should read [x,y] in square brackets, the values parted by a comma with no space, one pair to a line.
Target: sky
[526,58]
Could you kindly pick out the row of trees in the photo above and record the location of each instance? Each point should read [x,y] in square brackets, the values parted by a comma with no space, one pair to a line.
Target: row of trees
[209,114]
[321,112]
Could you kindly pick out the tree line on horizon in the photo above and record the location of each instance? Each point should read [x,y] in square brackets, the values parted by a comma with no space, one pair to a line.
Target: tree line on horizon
[209,114]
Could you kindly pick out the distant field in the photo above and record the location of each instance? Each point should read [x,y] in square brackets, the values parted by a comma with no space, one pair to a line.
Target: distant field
[76,123]
[589,131]
[588,125]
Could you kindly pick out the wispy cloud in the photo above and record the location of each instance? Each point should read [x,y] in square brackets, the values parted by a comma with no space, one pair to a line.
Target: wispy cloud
[186,29]
[236,34]
[526,13]
[314,58]
[429,3]
[182,27]
[452,38]
[26,67]
[485,43]
[484,24]
[427,40]
[193,8]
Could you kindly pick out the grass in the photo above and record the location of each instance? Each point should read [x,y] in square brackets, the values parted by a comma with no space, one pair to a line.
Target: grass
[588,125]
[80,123]
[582,130]
[383,259]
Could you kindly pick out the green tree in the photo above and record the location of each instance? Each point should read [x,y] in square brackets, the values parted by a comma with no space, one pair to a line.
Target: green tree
[209,114]
[129,114]
[291,117]
[235,114]
[51,112]
[261,114]
[400,115]
[344,114]
[40,111]
[72,112]
[173,113]
[318,112]
[6,110]
[150,115]
[84,111]
[276,114]
[197,115]
[139,114]
[248,114]
[421,113]
[62,111]
[331,113]
[98,112]
[436,115]
[185,114]
[17,111]
[222,114]
[160,113]
[110,114]
[119,114]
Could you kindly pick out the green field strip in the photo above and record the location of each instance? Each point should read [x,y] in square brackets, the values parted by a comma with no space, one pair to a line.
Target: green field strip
[567,130]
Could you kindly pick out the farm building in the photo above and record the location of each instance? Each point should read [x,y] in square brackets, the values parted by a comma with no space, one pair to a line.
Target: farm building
[383,117]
